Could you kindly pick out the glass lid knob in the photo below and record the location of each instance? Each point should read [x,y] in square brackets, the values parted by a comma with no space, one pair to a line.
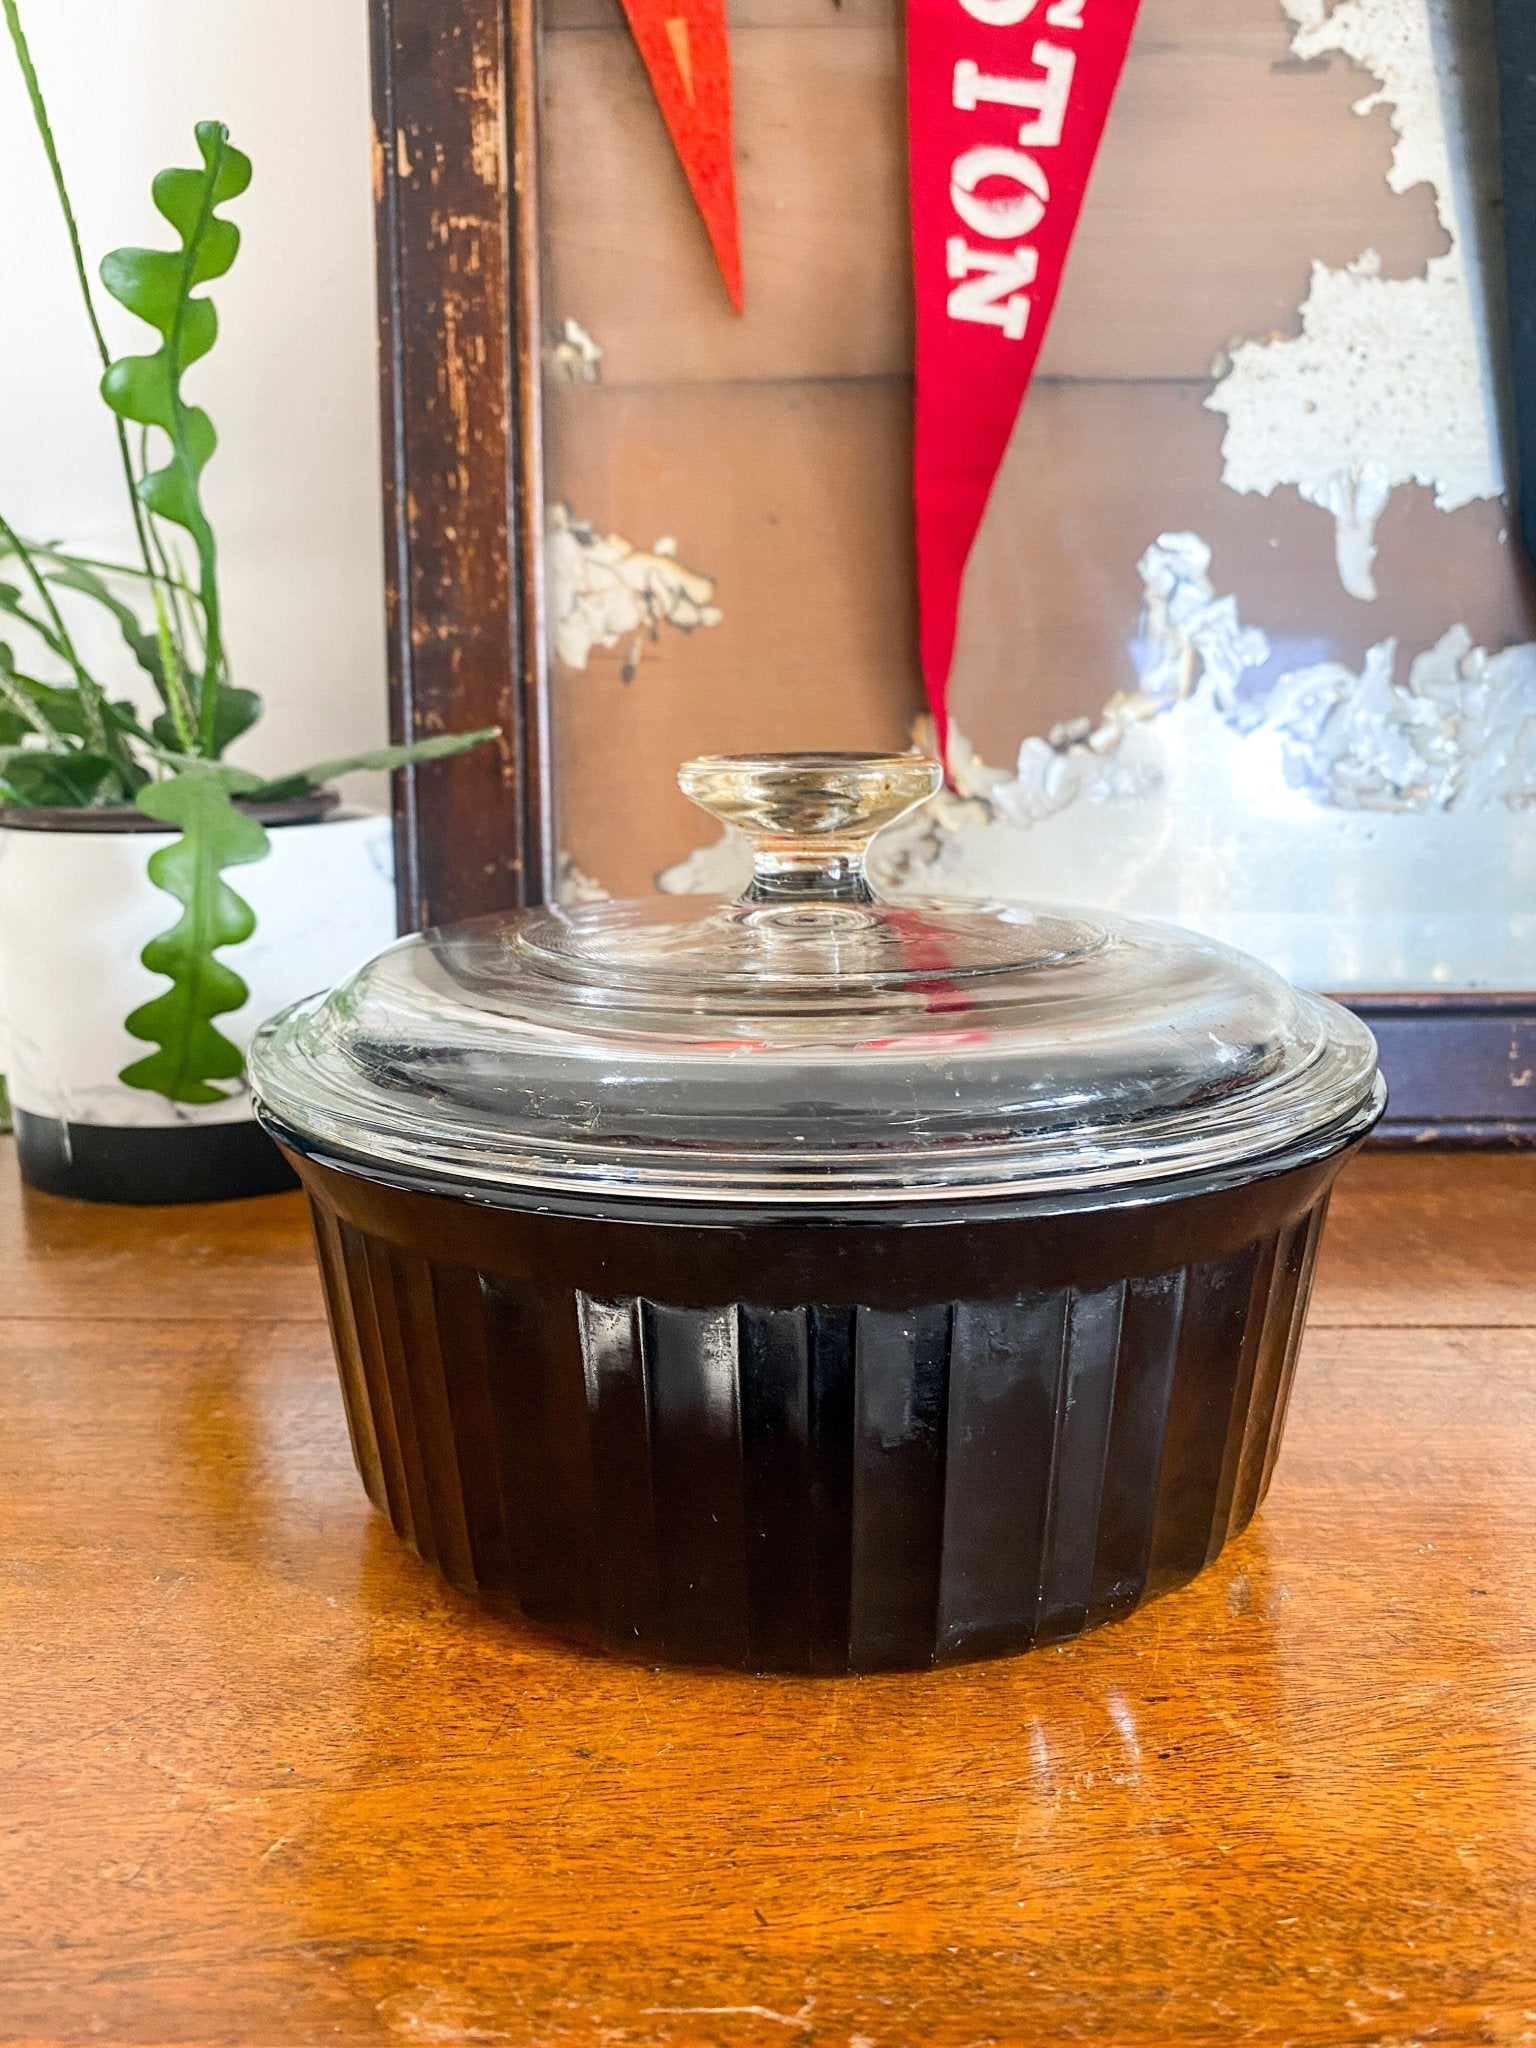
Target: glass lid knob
[809,817]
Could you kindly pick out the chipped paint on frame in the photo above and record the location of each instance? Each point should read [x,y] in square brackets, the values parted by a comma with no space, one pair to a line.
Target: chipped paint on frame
[1390,379]
[1358,827]
[605,591]
[576,357]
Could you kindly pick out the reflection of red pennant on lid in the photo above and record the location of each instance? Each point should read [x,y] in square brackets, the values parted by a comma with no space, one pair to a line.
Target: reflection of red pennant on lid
[1006,104]
[685,50]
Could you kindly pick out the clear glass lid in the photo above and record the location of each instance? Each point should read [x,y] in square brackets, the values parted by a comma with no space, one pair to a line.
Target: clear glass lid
[809,1044]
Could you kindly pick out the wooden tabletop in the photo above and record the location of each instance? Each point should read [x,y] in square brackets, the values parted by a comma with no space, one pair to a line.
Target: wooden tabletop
[263,1780]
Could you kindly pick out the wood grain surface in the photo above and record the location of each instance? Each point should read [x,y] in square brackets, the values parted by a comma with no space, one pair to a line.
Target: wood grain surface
[265,1781]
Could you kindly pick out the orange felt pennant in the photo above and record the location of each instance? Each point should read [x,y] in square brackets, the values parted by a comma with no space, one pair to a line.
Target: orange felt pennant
[683,43]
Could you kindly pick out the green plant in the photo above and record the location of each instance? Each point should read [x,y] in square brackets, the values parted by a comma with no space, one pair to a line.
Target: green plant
[65,737]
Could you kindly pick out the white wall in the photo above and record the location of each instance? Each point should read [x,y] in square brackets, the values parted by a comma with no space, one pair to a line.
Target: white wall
[294,485]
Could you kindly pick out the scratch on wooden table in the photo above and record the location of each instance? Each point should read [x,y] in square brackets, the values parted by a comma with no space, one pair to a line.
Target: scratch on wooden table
[799,2020]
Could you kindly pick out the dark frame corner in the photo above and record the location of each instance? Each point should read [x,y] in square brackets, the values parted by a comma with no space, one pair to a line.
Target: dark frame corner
[1461,1069]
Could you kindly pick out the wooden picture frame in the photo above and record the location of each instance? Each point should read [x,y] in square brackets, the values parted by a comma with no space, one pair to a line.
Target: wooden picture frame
[456,211]
[455,86]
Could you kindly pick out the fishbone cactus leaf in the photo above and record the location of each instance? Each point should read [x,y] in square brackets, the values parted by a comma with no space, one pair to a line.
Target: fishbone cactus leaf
[192,1053]
[159,285]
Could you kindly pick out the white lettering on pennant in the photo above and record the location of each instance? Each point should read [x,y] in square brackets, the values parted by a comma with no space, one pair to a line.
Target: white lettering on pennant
[1065,14]
[999,13]
[1011,216]
[1047,95]
[991,288]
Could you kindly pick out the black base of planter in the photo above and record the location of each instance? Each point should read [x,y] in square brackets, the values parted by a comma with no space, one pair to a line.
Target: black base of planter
[162,1163]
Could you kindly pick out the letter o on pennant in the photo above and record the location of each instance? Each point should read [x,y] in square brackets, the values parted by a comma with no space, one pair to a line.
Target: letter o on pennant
[999,13]
[1013,214]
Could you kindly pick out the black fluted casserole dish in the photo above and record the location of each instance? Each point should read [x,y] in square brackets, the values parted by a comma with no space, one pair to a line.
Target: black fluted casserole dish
[807,1282]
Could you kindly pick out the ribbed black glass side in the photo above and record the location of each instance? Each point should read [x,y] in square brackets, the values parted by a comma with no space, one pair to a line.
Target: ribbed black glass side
[822,1487]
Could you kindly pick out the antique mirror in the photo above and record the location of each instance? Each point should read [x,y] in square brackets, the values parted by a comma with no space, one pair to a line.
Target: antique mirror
[1248,637]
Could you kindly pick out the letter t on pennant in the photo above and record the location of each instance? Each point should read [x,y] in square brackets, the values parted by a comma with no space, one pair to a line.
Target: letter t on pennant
[683,43]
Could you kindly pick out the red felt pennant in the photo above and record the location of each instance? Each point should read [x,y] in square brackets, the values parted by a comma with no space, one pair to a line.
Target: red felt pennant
[1006,103]
[683,43]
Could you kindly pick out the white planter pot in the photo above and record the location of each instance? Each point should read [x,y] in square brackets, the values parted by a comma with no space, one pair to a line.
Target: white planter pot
[76,910]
